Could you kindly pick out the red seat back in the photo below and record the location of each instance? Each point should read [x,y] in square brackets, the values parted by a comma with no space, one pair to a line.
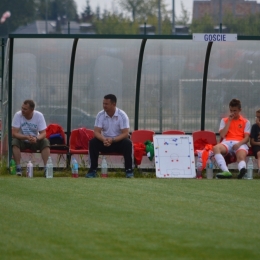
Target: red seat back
[140,136]
[201,138]
[79,138]
[173,132]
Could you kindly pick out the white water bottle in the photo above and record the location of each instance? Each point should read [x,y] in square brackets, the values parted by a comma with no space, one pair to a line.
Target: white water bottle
[49,168]
[104,167]
[250,168]
[209,169]
[75,168]
[29,170]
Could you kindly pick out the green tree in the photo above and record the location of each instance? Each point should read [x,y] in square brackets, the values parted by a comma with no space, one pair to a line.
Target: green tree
[142,9]
[184,17]
[87,15]
[203,25]
[57,9]
[22,12]
[166,24]
[115,24]
[133,6]
[97,14]
[249,25]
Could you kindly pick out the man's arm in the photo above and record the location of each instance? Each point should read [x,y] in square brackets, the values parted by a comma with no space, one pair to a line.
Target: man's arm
[16,134]
[224,127]
[97,133]
[245,140]
[42,134]
[124,134]
[253,142]
[254,133]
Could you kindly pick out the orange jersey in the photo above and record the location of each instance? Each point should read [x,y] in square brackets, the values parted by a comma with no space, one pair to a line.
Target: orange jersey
[237,128]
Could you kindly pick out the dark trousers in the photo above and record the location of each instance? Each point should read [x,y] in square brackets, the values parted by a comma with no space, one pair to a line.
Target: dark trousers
[124,146]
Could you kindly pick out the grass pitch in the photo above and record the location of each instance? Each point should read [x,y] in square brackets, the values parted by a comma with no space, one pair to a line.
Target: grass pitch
[118,218]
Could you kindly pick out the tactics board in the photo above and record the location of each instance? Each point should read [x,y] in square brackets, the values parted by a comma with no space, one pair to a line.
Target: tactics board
[174,156]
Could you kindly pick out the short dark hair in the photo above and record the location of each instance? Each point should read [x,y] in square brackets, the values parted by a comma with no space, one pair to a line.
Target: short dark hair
[235,103]
[30,103]
[112,97]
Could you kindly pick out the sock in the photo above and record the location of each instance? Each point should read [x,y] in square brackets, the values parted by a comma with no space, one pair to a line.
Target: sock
[221,162]
[241,165]
[18,166]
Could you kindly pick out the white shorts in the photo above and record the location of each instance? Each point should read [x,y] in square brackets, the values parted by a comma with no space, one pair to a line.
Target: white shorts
[229,146]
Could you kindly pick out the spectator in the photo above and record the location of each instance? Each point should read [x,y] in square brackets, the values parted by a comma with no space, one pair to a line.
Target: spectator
[111,133]
[255,138]
[235,131]
[29,132]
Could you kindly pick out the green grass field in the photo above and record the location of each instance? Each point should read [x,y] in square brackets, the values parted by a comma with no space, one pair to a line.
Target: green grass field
[118,218]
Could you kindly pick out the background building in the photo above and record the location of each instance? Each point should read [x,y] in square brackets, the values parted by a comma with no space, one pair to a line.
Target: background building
[239,8]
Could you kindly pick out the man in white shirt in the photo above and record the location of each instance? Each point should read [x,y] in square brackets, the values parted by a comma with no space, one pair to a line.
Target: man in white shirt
[111,135]
[29,132]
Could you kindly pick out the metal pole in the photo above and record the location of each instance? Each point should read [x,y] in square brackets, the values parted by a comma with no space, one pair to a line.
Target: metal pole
[173,17]
[220,11]
[46,16]
[3,63]
[159,17]
[138,83]
[204,86]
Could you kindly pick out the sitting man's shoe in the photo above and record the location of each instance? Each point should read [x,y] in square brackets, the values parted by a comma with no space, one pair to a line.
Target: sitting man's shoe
[242,173]
[18,171]
[224,175]
[129,173]
[91,174]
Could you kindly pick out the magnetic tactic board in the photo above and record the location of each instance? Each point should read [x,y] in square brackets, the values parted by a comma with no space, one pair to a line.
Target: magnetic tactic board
[174,156]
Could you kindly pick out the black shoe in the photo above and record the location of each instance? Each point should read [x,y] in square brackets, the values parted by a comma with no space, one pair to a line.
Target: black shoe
[242,173]
[129,173]
[91,174]
[19,172]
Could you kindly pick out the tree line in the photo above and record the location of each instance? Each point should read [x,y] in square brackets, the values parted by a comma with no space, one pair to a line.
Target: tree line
[133,14]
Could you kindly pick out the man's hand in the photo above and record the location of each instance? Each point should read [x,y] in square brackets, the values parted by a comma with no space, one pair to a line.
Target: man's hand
[236,146]
[107,141]
[32,139]
[230,117]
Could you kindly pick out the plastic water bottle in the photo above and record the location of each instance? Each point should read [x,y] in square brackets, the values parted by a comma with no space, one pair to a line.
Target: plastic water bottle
[49,168]
[75,168]
[250,168]
[29,170]
[199,170]
[104,167]
[209,169]
[12,167]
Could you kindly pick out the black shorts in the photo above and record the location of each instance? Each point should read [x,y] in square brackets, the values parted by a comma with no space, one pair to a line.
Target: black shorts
[256,149]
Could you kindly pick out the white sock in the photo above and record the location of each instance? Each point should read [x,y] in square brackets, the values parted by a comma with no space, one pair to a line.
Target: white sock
[241,165]
[221,162]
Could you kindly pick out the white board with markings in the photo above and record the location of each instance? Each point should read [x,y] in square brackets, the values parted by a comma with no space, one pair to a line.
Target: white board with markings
[174,156]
